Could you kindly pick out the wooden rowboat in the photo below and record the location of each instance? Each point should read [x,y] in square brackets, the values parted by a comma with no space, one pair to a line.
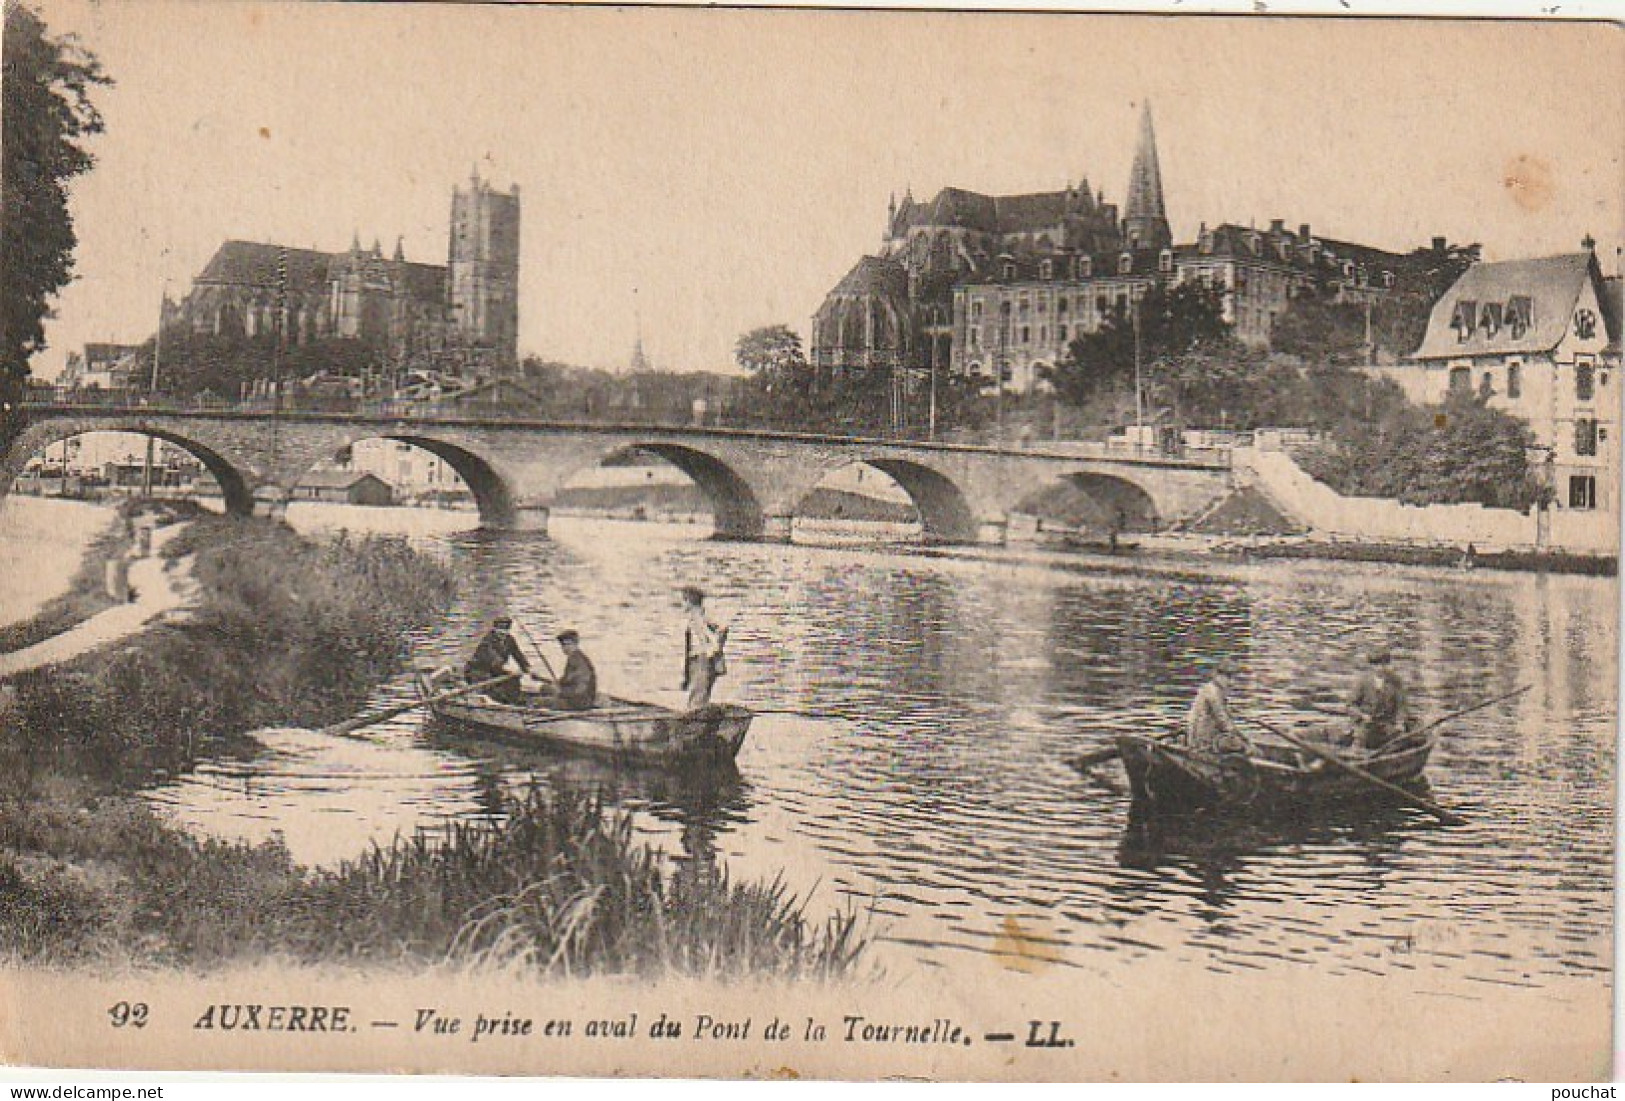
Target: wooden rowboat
[1168,779]
[623,731]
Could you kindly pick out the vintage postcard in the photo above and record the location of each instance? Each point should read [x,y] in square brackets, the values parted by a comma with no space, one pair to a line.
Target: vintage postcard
[793,543]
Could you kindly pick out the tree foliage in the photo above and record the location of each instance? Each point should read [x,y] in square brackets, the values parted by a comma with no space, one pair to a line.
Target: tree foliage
[1459,452]
[1173,321]
[1320,330]
[48,113]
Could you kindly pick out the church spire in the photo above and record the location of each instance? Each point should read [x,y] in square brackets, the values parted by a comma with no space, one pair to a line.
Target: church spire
[1145,219]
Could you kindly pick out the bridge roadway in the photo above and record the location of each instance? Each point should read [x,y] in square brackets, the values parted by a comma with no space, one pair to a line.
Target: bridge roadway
[754,479]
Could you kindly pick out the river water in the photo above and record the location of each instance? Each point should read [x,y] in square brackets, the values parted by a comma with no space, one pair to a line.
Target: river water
[917,708]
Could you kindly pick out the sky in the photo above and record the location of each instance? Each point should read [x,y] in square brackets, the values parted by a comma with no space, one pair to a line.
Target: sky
[703,172]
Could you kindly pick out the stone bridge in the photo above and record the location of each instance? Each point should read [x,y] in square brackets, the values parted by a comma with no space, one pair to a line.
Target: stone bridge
[754,479]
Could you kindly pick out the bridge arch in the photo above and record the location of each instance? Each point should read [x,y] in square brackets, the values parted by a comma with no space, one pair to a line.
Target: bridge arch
[492,494]
[236,487]
[946,515]
[1094,501]
[736,508]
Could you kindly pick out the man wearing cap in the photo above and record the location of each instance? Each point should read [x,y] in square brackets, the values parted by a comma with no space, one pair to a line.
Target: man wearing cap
[1378,705]
[702,648]
[491,659]
[1209,727]
[578,684]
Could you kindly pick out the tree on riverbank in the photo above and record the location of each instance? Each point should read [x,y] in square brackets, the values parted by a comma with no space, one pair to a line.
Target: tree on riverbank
[45,96]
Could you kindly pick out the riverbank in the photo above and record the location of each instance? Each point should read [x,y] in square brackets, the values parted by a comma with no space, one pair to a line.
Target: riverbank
[287,630]
[557,886]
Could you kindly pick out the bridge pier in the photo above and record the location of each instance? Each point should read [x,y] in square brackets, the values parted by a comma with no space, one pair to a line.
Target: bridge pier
[526,518]
[777,529]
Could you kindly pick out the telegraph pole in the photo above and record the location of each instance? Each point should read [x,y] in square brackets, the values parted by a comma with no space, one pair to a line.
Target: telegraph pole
[152,387]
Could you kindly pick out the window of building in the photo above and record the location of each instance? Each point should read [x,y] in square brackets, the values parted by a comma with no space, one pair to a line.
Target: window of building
[1061,305]
[1009,269]
[1086,267]
[1102,304]
[1461,380]
[1043,333]
[1388,280]
[1125,263]
[976,311]
[1514,380]
[1584,382]
[1585,436]
[1061,333]
[1582,491]
[1165,261]
[1122,303]
[1043,305]
[1486,385]
[1046,270]
[1026,334]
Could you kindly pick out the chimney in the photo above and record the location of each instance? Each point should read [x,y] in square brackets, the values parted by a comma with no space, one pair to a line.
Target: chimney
[1589,243]
[1438,244]
[1277,225]
[1303,231]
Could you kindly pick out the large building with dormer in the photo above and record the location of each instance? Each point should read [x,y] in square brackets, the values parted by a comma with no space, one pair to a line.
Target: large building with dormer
[463,314]
[1539,339]
[1000,285]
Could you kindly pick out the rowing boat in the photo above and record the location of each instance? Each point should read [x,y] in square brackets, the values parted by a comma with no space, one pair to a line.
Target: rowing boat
[624,731]
[1168,779]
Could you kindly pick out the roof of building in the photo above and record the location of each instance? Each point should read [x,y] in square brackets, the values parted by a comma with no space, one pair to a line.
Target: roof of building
[872,276]
[104,351]
[255,264]
[1552,284]
[957,207]
[1144,263]
[337,479]
[501,391]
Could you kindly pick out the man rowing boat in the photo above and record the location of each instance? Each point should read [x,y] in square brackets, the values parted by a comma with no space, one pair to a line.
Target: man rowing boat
[491,659]
[1209,727]
[1378,706]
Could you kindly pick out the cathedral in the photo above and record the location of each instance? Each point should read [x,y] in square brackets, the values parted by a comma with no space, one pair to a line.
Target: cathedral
[462,317]
[1000,284]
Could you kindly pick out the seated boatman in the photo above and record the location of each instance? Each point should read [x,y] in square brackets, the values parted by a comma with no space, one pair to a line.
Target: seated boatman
[1378,706]
[491,659]
[578,684]
[1209,727]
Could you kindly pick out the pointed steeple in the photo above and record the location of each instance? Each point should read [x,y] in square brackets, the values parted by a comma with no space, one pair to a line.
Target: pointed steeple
[1145,219]
[400,250]
[355,240]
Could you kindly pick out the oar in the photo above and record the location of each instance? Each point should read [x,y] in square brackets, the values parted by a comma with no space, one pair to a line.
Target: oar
[534,645]
[350,726]
[1476,707]
[1450,818]
[1085,761]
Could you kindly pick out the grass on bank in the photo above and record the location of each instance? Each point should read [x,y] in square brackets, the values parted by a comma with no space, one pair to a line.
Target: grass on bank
[287,631]
[558,888]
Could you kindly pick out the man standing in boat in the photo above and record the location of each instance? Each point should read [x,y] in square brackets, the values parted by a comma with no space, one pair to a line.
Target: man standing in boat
[1209,727]
[702,648]
[491,659]
[1378,704]
[578,684]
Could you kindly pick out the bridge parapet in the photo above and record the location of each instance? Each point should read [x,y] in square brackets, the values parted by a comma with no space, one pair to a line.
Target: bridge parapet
[756,479]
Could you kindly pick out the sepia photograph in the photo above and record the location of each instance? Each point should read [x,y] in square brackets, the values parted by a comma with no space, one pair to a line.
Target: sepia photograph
[796,543]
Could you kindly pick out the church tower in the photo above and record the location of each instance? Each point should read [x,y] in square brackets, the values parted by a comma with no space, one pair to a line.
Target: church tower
[1145,219]
[483,273]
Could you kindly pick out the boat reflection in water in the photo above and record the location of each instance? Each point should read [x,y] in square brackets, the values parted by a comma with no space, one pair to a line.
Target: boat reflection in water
[700,803]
